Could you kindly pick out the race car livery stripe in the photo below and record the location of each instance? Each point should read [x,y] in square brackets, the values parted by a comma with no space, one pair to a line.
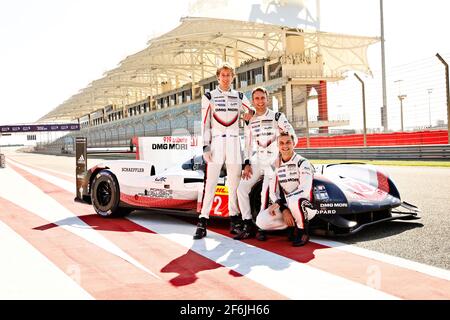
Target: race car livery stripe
[383,183]
[149,202]
[225,124]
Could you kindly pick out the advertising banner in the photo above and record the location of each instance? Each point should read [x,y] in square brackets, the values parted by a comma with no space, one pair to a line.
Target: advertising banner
[40,128]
[165,152]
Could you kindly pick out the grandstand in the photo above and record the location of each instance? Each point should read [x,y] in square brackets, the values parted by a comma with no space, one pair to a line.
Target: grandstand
[159,88]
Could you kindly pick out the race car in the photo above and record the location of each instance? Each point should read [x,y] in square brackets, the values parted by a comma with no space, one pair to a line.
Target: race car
[347,197]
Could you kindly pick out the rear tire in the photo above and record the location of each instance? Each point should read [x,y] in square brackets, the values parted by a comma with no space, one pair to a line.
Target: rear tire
[105,195]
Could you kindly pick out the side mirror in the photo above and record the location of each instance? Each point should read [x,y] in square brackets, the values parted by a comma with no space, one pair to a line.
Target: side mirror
[195,163]
[199,163]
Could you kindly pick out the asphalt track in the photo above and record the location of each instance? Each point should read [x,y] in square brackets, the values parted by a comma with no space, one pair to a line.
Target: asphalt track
[75,254]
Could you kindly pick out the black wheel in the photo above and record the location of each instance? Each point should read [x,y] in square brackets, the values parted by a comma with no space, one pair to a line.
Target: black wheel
[105,195]
[255,199]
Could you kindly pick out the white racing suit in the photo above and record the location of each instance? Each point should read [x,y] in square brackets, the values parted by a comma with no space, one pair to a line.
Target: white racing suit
[294,179]
[221,111]
[261,150]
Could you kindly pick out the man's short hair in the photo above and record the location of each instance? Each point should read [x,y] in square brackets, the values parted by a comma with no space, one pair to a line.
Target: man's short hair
[286,134]
[260,89]
[225,65]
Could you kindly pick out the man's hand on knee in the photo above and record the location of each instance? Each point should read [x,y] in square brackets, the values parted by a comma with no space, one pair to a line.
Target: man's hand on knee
[273,209]
[288,218]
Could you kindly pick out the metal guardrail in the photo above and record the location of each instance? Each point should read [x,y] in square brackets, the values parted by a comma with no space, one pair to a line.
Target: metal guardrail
[111,150]
[427,153]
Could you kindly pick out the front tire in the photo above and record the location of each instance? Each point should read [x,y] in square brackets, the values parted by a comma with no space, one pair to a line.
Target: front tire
[105,195]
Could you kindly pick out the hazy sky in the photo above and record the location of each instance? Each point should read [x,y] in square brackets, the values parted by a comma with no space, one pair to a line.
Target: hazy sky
[49,49]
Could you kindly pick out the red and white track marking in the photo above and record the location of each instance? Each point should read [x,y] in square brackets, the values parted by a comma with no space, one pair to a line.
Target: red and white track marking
[292,279]
[17,189]
[120,258]
[125,280]
[28,274]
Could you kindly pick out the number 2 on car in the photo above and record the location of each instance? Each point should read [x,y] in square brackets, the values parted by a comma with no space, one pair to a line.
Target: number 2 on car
[220,205]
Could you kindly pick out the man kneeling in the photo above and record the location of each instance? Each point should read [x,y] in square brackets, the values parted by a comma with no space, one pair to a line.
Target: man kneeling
[290,192]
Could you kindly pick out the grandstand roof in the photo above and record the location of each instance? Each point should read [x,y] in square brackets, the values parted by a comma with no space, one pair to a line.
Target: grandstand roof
[191,52]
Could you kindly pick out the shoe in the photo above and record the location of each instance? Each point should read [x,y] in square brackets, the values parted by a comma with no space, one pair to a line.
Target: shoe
[301,238]
[261,235]
[235,224]
[248,231]
[291,233]
[201,229]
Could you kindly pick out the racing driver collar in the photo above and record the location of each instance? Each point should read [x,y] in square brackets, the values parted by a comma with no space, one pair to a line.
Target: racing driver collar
[262,115]
[223,91]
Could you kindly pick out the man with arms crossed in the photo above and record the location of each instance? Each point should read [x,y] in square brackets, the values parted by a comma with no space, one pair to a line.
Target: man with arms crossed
[221,111]
[260,152]
[291,193]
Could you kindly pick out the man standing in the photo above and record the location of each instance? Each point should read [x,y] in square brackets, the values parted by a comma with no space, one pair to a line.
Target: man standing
[261,134]
[291,193]
[221,110]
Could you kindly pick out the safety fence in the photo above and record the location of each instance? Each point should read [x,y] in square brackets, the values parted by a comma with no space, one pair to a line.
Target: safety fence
[426,153]
[432,137]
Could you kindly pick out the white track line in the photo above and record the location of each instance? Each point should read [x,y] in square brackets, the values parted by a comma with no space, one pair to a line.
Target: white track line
[51,170]
[25,273]
[64,184]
